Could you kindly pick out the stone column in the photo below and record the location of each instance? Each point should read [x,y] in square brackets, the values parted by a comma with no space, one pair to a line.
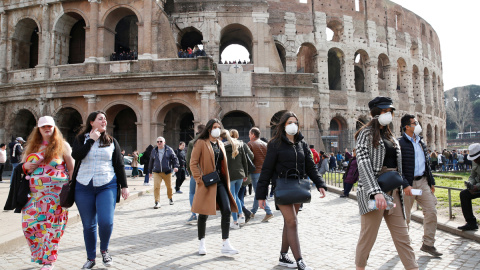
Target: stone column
[290,50]
[3,46]
[92,100]
[42,70]
[139,144]
[204,102]
[371,77]
[146,97]
[41,106]
[147,30]
[91,53]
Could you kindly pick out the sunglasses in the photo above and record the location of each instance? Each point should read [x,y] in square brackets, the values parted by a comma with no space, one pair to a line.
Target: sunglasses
[159,141]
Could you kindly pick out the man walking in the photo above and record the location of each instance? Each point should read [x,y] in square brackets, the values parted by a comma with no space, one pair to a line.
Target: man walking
[193,218]
[259,149]
[181,170]
[417,175]
[16,151]
[162,160]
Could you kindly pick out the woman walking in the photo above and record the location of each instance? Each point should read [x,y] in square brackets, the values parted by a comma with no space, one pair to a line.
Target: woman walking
[135,164]
[286,151]
[48,162]
[98,170]
[237,170]
[209,156]
[377,152]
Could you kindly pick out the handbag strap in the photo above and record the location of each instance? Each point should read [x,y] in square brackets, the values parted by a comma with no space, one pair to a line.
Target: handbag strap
[216,160]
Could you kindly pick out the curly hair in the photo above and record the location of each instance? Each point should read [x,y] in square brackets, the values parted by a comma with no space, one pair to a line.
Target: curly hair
[55,148]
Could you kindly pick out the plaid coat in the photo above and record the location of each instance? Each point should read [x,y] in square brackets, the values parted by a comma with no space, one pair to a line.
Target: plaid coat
[370,163]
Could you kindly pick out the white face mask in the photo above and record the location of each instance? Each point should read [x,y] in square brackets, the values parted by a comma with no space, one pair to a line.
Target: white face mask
[215,132]
[385,119]
[417,130]
[291,129]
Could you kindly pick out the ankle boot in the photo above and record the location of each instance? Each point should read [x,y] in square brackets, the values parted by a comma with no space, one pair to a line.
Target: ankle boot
[202,250]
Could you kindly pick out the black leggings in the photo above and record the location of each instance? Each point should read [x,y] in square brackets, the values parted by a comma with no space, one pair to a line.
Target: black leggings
[224,204]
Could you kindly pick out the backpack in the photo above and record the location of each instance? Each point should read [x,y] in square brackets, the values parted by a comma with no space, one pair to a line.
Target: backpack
[141,158]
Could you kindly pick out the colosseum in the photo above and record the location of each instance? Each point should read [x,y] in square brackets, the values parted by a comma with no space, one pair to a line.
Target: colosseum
[322,59]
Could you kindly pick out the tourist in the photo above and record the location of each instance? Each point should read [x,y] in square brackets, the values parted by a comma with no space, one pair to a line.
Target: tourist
[181,168]
[135,164]
[193,217]
[472,191]
[350,177]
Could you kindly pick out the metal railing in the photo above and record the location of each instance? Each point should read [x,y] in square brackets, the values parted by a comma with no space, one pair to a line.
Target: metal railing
[335,179]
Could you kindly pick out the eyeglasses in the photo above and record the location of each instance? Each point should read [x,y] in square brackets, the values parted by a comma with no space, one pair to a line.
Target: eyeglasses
[159,141]
[414,123]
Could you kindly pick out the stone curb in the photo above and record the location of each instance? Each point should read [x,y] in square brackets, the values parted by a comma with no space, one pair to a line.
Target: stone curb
[418,218]
[73,218]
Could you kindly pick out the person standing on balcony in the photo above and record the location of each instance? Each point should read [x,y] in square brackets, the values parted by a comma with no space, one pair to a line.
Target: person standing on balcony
[418,175]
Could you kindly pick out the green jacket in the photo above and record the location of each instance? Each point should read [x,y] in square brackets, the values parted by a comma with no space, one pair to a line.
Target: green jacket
[189,154]
[238,166]
[475,175]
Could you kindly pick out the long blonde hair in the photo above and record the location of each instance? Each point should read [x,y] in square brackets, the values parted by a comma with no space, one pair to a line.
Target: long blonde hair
[226,135]
[55,148]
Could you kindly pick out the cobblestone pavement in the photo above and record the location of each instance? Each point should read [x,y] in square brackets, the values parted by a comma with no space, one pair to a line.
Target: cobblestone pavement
[145,238]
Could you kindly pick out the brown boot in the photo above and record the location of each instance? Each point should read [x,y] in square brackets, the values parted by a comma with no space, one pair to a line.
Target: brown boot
[430,250]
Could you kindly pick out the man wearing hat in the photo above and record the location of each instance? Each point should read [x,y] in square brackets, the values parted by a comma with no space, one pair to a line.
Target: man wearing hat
[16,151]
[417,174]
[473,189]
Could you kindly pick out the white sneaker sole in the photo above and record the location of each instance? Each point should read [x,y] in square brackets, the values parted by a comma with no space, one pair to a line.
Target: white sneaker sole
[231,252]
[108,264]
[288,265]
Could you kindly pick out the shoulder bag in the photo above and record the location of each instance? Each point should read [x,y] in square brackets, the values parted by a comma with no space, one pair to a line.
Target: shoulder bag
[389,181]
[213,177]
[67,195]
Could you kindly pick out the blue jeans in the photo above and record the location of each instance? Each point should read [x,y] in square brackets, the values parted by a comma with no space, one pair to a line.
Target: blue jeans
[147,177]
[13,168]
[96,205]
[191,193]
[235,186]
[455,165]
[255,177]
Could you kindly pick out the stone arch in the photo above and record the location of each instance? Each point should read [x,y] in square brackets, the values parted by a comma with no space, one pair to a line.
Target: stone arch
[120,29]
[336,69]
[402,85]
[336,28]
[382,71]
[427,86]
[274,121]
[240,121]
[122,120]
[176,123]
[306,58]
[69,39]
[22,123]
[338,136]
[189,37]
[414,50]
[236,34]
[25,44]
[282,54]
[69,121]
[361,58]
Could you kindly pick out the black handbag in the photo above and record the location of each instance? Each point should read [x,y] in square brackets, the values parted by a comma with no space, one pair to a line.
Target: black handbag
[67,195]
[292,190]
[211,178]
[389,181]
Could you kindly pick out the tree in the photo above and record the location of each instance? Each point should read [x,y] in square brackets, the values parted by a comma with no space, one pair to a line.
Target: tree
[459,107]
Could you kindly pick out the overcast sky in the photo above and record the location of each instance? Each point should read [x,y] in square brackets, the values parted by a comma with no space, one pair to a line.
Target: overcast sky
[457,24]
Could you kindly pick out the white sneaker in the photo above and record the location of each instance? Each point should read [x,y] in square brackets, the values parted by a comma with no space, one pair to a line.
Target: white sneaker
[234,226]
[202,250]
[241,221]
[227,248]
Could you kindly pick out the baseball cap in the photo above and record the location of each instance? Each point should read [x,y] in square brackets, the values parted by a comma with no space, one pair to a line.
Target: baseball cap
[46,121]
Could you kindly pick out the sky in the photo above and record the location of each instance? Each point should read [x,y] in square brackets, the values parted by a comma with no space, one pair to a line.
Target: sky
[457,24]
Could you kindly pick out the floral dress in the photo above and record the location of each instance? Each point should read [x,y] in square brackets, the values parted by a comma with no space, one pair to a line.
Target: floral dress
[43,219]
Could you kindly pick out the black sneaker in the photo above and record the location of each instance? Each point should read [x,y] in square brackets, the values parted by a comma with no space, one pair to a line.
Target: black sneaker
[171,201]
[284,260]
[156,206]
[89,264]
[469,227]
[302,266]
[106,258]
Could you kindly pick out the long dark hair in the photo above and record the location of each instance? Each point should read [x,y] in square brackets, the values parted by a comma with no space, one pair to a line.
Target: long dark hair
[376,130]
[280,130]
[105,138]
[205,134]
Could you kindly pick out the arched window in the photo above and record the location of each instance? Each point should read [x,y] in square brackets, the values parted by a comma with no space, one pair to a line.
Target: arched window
[239,35]
[25,44]
[336,70]
[305,58]
[69,39]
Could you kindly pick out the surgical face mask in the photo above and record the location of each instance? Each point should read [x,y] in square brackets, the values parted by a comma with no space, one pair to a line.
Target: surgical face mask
[291,129]
[417,130]
[385,119]
[215,132]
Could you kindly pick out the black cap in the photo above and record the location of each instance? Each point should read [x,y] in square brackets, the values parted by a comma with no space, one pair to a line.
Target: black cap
[381,102]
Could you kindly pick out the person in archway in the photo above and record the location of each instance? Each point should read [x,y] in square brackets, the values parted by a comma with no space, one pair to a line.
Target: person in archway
[181,169]
[209,156]
[162,162]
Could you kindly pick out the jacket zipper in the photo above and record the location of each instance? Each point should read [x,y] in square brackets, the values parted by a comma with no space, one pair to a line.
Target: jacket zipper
[296,158]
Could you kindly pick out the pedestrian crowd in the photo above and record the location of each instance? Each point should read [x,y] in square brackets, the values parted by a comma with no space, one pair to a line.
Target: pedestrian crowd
[124,55]
[189,53]
[392,173]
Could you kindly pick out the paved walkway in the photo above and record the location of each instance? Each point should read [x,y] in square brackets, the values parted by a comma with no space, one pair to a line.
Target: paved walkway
[145,238]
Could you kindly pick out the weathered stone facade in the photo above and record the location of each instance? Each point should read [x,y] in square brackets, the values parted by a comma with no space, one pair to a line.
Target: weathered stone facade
[55,60]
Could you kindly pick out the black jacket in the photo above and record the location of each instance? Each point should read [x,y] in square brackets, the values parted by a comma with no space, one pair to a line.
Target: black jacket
[408,161]
[169,161]
[80,151]
[181,157]
[19,190]
[282,157]
[18,152]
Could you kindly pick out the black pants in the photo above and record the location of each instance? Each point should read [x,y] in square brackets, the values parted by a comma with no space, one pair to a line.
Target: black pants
[347,188]
[180,178]
[466,201]
[224,204]
[2,165]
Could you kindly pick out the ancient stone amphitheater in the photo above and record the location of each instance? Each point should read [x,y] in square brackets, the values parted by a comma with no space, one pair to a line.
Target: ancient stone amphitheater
[322,59]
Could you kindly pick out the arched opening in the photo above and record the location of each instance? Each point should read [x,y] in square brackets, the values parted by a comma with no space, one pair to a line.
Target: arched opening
[240,121]
[69,39]
[417,93]
[121,34]
[69,121]
[401,76]
[306,58]
[334,31]
[360,60]
[23,123]
[124,127]
[236,34]
[383,71]
[274,122]
[338,136]
[427,87]
[177,120]
[414,49]
[434,88]
[335,69]
[25,44]
[235,54]
[190,43]
[282,54]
